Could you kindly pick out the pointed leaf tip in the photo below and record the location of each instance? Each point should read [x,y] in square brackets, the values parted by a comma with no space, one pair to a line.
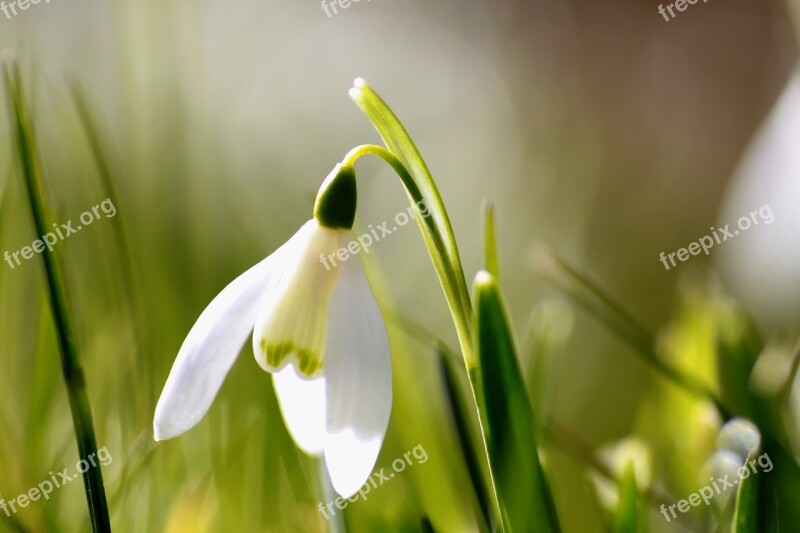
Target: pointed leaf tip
[483,280]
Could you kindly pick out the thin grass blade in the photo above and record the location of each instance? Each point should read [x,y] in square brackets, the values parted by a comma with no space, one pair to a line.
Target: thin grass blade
[587,295]
[59,301]
[459,411]
[745,515]
[491,260]
[629,516]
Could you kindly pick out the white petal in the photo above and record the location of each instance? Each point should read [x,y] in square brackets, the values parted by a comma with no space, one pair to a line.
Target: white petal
[359,381]
[211,347]
[291,326]
[762,265]
[302,403]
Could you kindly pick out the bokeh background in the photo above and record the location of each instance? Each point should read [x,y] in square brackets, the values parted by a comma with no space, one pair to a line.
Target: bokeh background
[596,127]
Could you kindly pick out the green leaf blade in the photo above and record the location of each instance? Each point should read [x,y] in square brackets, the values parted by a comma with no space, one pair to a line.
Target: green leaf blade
[745,515]
[63,317]
[490,240]
[523,492]
[629,516]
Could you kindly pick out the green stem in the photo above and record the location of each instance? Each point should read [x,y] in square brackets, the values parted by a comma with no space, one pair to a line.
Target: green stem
[449,274]
[403,156]
[70,364]
[441,244]
[399,143]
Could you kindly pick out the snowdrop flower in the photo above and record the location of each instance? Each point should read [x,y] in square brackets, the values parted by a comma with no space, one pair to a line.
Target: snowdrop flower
[762,265]
[318,331]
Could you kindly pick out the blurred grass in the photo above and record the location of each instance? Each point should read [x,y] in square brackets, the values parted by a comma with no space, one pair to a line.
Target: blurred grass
[204,192]
[57,291]
[239,469]
[241,458]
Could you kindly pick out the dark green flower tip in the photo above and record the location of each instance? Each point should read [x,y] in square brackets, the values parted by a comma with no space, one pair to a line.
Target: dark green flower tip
[336,200]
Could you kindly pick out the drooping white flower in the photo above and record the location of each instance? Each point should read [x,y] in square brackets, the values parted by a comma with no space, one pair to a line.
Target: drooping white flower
[762,265]
[317,329]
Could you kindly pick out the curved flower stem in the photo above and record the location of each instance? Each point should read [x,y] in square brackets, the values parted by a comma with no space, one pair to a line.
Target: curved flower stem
[441,244]
[450,274]
[403,156]
[399,144]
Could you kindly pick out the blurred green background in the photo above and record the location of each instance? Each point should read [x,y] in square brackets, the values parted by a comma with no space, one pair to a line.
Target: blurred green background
[596,127]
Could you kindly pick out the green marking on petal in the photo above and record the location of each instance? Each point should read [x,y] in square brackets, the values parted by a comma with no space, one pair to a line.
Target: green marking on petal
[275,353]
[308,362]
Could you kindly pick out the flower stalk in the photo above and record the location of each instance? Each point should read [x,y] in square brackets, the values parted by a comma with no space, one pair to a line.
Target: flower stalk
[438,234]
[404,158]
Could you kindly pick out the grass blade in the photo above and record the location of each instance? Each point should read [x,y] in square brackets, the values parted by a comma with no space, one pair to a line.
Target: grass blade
[460,416]
[590,297]
[102,159]
[526,503]
[427,527]
[745,516]
[629,516]
[548,334]
[59,301]
[492,263]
